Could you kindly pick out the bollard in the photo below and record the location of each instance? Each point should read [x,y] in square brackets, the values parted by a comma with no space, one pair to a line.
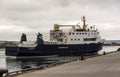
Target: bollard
[118,49]
[3,71]
[104,53]
[82,57]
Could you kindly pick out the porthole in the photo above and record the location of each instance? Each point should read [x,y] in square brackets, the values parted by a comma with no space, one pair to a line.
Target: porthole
[70,33]
[74,39]
[71,39]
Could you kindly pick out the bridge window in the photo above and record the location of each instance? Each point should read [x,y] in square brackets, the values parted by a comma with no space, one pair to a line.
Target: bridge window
[97,32]
[89,39]
[71,39]
[70,33]
[74,39]
[94,33]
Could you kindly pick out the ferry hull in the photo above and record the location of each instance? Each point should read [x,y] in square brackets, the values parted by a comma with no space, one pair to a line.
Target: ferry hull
[45,50]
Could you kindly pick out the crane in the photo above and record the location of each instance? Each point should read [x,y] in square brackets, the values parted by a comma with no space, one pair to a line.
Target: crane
[57,26]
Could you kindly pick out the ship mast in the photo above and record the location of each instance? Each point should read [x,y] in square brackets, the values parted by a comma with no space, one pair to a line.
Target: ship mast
[84,23]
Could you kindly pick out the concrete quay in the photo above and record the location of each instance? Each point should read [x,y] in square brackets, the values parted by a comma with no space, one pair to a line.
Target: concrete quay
[101,66]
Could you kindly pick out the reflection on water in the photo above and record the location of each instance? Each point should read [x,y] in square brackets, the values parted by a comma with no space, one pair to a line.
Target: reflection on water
[2,60]
[20,63]
[109,49]
[13,64]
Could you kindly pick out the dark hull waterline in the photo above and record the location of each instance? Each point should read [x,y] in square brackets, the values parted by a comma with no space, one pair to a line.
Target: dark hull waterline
[47,49]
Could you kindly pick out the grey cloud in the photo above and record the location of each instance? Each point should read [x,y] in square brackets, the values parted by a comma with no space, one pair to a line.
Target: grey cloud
[40,15]
[23,5]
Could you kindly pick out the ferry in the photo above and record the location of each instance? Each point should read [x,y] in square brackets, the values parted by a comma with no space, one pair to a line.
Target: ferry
[75,41]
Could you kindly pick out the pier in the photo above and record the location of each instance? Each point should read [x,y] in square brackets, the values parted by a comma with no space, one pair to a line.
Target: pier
[106,65]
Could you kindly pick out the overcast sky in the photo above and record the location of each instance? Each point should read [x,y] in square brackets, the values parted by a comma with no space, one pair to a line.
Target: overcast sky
[33,16]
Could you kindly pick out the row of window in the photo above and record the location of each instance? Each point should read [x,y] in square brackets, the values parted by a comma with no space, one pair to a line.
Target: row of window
[85,39]
[75,39]
[80,33]
[89,39]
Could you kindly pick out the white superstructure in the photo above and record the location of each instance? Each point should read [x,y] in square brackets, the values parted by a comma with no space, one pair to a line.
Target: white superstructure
[76,35]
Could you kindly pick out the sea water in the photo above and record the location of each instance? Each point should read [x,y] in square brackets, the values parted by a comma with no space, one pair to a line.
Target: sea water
[13,64]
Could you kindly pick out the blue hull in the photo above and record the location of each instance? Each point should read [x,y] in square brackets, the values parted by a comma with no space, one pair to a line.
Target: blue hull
[47,49]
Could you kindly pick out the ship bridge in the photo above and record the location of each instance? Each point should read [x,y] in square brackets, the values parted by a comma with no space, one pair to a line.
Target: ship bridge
[76,35]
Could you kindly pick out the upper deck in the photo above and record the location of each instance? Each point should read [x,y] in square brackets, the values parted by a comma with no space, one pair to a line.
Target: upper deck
[76,35]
